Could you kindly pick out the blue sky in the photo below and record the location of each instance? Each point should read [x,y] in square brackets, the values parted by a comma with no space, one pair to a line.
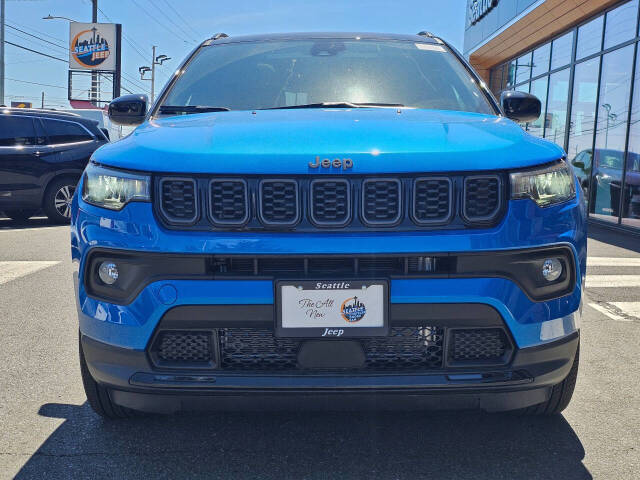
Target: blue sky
[162,23]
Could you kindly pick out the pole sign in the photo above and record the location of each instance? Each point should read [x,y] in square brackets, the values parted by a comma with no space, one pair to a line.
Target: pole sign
[479,8]
[93,46]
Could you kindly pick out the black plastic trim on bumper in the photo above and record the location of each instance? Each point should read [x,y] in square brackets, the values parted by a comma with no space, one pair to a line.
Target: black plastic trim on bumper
[525,381]
[139,269]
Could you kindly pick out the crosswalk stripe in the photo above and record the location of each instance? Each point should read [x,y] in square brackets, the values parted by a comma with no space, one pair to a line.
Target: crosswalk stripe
[613,261]
[10,270]
[610,312]
[613,281]
[629,308]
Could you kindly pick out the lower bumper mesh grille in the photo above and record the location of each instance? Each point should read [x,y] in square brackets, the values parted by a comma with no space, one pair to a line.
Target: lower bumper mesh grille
[407,348]
[258,350]
[489,344]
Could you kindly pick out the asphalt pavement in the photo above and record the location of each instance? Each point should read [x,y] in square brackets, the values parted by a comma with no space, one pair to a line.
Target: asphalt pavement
[47,430]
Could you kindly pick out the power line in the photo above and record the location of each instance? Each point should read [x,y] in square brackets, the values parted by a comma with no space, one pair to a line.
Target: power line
[35,83]
[34,36]
[35,51]
[37,31]
[158,22]
[173,22]
[27,39]
[198,35]
[126,39]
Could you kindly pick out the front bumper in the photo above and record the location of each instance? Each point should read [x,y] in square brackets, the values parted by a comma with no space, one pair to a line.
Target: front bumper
[525,381]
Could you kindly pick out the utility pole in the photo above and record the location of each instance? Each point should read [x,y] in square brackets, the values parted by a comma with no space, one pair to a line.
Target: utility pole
[155,60]
[153,73]
[42,103]
[93,96]
[1,52]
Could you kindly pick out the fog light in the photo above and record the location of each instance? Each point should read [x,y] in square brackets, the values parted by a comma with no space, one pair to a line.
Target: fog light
[108,272]
[551,269]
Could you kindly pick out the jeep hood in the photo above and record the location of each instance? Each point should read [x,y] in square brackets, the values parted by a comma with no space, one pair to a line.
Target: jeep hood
[377,140]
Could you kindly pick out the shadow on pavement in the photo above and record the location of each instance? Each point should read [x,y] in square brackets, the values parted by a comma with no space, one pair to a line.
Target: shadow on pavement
[618,238]
[307,445]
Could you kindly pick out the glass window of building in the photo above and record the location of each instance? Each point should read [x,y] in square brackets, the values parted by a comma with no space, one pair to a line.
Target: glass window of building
[590,38]
[611,130]
[539,89]
[523,72]
[556,115]
[583,119]
[510,74]
[631,199]
[621,24]
[561,51]
[541,58]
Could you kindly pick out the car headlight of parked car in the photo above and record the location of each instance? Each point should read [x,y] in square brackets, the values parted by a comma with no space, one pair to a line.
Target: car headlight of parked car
[546,186]
[113,189]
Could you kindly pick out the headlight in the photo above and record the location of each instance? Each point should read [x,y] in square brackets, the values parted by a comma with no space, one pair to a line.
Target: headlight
[113,189]
[545,186]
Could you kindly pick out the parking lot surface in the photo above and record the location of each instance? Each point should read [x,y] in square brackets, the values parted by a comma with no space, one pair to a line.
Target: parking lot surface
[49,431]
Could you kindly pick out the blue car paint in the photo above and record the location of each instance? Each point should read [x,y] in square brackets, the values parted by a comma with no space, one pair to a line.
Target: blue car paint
[378,140]
[284,142]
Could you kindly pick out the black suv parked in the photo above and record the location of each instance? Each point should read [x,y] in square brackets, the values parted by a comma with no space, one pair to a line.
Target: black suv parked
[42,155]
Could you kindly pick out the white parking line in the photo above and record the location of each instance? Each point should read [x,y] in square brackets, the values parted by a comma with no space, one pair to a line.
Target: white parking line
[611,311]
[613,281]
[10,270]
[613,261]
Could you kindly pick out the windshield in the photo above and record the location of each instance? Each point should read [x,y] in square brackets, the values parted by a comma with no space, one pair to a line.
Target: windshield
[279,74]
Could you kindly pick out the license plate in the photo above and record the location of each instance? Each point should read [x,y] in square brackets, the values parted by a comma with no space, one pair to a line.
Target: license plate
[332,309]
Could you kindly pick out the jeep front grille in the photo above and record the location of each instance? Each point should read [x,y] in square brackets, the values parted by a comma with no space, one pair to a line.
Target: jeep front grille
[313,203]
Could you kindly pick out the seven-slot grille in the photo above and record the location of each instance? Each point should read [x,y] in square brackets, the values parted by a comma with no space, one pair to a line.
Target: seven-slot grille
[279,204]
[179,200]
[381,201]
[432,201]
[482,198]
[228,201]
[308,203]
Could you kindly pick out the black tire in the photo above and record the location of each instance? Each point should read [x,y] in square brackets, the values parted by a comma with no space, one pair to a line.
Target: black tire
[98,396]
[57,199]
[560,394]
[20,215]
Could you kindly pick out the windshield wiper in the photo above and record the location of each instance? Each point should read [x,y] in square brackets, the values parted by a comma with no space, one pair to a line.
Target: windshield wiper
[337,105]
[191,109]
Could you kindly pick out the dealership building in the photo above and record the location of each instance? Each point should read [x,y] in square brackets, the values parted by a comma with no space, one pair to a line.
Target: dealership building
[581,59]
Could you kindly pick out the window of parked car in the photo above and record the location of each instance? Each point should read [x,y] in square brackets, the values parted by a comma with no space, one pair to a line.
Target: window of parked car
[65,132]
[16,131]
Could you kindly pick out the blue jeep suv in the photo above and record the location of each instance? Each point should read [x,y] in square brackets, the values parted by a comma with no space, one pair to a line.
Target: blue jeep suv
[328,221]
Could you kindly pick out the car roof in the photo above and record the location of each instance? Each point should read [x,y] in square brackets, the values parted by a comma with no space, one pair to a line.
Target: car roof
[426,38]
[52,114]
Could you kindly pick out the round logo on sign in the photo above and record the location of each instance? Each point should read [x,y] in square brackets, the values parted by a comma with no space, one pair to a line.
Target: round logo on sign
[89,48]
[353,310]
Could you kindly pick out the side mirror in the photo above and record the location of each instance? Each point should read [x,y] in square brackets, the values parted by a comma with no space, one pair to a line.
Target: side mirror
[579,165]
[128,109]
[520,106]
